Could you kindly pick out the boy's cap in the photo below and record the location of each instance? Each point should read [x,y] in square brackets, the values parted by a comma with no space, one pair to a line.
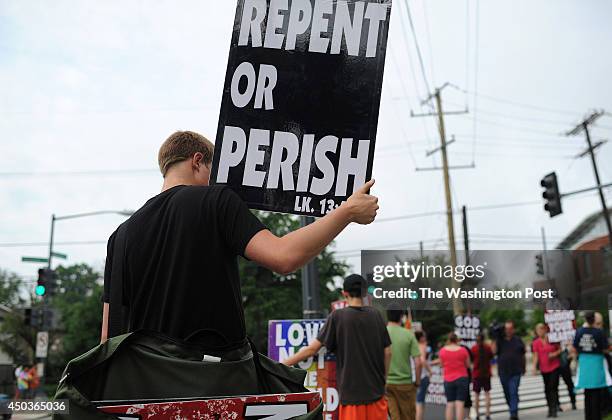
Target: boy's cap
[354,282]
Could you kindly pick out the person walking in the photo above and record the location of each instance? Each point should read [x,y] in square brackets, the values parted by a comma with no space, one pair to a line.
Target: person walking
[425,354]
[590,344]
[361,342]
[455,362]
[510,351]
[546,358]
[482,355]
[401,388]
[22,382]
[565,373]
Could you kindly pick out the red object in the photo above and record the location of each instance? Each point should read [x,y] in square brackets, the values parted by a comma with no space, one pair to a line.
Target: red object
[542,349]
[281,406]
[373,411]
[476,359]
[453,363]
[338,304]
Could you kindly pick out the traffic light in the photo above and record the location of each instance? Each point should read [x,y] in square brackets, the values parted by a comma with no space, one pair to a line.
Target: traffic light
[37,317]
[539,264]
[27,316]
[551,194]
[41,284]
[47,282]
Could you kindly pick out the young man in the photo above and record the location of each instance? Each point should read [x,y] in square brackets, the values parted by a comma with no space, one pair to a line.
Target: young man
[401,387]
[179,263]
[358,337]
[510,351]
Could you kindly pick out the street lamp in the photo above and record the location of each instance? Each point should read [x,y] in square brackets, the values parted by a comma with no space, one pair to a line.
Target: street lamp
[54,218]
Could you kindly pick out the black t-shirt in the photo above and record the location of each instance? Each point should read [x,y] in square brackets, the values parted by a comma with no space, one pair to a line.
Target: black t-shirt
[590,340]
[181,266]
[511,356]
[358,337]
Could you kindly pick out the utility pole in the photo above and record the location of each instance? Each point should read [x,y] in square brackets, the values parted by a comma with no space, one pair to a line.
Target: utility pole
[584,126]
[311,303]
[466,238]
[545,255]
[445,170]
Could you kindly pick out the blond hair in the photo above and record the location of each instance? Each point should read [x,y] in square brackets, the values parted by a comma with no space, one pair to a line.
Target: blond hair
[181,146]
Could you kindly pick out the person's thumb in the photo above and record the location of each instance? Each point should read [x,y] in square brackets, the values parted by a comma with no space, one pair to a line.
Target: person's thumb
[365,188]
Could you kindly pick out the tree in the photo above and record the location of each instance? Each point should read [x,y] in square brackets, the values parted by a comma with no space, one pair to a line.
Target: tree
[492,315]
[78,304]
[17,339]
[267,296]
[9,289]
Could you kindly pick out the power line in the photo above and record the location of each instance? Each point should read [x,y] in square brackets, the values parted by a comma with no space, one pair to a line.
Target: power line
[404,88]
[520,118]
[96,172]
[46,244]
[476,67]
[519,104]
[514,127]
[418,49]
[428,36]
[406,36]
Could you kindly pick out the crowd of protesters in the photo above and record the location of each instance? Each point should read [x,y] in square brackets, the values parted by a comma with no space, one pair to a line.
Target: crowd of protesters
[385,373]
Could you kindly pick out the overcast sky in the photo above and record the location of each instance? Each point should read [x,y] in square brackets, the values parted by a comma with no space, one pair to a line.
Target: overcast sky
[94,91]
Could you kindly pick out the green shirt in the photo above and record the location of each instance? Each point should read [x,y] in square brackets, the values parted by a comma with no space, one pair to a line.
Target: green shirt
[403,346]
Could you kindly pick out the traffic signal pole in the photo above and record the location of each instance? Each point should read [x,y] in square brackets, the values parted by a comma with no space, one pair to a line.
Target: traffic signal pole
[51,241]
[311,302]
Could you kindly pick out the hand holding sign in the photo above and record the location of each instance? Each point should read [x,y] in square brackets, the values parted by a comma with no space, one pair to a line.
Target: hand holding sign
[362,206]
[298,121]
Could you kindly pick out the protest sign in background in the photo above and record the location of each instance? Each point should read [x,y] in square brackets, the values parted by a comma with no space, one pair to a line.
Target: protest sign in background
[299,112]
[467,328]
[286,338]
[435,399]
[561,326]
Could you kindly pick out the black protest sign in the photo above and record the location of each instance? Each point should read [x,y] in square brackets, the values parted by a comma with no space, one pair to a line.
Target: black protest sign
[300,105]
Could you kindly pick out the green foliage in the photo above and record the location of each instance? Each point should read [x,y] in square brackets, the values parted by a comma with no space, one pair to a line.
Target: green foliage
[9,289]
[268,296]
[79,306]
[501,315]
[16,339]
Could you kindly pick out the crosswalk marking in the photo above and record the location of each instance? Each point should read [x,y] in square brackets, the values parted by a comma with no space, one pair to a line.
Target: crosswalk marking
[531,395]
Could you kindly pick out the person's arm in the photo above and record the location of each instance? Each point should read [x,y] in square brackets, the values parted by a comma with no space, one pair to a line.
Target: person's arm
[534,362]
[423,359]
[387,360]
[418,367]
[288,253]
[304,353]
[554,354]
[104,335]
